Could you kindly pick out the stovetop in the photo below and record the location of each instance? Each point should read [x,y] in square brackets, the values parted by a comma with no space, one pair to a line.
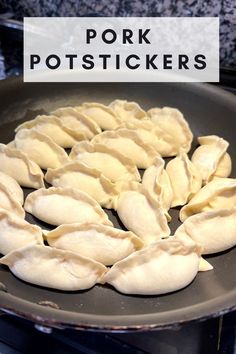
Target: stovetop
[212,336]
[215,335]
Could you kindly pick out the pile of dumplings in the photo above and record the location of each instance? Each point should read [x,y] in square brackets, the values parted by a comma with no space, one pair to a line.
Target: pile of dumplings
[91,156]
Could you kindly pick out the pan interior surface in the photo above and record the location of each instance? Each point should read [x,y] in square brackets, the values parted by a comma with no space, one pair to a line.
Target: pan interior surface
[208,111]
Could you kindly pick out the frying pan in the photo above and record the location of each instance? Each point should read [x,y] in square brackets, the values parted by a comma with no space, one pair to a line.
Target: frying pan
[209,110]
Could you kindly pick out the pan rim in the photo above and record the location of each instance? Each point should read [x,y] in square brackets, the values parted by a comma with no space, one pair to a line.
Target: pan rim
[55,318]
[213,88]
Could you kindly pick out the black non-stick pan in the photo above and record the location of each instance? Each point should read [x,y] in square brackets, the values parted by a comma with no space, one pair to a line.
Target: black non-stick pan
[209,110]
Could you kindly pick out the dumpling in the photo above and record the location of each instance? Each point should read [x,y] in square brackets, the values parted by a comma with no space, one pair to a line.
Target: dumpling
[211,158]
[54,268]
[185,179]
[53,127]
[224,167]
[109,162]
[163,267]
[214,230]
[142,214]
[58,206]
[103,243]
[150,134]
[172,129]
[8,202]
[147,132]
[82,126]
[156,181]
[16,232]
[79,176]
[127,110]
[104,116]
[13,186]
[16,164]
[180,235]
[128,143]
[220,193]
[40,148]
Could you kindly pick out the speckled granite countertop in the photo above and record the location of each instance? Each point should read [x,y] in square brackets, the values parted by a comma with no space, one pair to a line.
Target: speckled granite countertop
[225,9]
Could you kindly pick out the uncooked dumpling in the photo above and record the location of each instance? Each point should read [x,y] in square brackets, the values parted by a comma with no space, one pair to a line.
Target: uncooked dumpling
[172,129]
[16,164]
[103,115]
[109,162]
[185,179]
[53,127]
[54,268]
[224,167]
[220,193]
[82,126]
[180,235]
[79,176]
[157,183]
[102,243]
[148,132]
[162,267]
[58,206]
[13,186]
[40,148]
[211,158]
[143,215]
[16,232]
[126,110]
[214,230]
[8,202]
[129,144]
